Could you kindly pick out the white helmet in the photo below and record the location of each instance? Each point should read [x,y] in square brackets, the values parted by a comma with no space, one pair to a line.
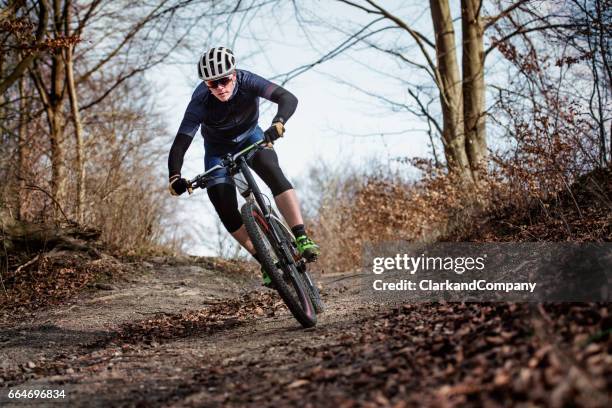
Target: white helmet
[216,63]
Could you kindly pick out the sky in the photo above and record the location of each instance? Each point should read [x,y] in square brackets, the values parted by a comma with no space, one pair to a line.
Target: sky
[334,123]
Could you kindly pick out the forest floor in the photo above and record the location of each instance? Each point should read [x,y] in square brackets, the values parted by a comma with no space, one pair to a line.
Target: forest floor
[182,334]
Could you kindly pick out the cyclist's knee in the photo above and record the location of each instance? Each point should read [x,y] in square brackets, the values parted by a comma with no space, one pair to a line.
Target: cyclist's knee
[233,227]
[223,197]
[280,189]
[265,164]
[279,186]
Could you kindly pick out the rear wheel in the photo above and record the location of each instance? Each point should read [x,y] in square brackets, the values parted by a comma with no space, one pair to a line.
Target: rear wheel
[287,281]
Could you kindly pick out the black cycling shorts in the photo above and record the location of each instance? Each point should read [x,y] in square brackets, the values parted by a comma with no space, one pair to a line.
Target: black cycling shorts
[223,194]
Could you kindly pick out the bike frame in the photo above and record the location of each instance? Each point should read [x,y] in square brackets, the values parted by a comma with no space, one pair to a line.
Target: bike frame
[238,163]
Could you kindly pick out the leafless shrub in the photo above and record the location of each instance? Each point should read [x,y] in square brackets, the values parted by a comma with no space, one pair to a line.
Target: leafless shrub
[360,208]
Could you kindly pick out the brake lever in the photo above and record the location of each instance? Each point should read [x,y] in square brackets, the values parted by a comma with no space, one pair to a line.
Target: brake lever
[191,185]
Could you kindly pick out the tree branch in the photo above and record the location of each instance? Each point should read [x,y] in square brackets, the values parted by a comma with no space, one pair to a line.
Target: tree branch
[25,63]
[420,40]
[367,10]
[345,45]
[11,9]
[425,111]
[490,20]
[151,16]
[418,37]
[523,30]
[403,58]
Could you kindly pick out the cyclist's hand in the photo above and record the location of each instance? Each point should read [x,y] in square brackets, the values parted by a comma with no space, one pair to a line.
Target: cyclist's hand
[274,132]
[178,185]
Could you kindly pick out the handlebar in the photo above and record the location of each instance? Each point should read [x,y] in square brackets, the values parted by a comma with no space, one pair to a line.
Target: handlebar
[199,181]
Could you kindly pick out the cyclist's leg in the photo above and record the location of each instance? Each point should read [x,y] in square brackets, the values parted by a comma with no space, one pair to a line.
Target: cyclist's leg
[265,163]
[222,193]
[288,204]
[224,199]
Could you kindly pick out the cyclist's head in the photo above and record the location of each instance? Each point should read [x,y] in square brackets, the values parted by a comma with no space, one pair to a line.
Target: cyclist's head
[217,68]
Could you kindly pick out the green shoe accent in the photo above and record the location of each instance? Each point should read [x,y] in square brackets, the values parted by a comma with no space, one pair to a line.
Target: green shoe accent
[267,281]
[307,248]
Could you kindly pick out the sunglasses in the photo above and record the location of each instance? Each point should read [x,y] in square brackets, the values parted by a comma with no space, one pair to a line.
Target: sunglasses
[219,82]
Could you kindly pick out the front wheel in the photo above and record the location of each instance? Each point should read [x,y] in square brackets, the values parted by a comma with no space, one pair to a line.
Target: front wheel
[286,280]
[311,287]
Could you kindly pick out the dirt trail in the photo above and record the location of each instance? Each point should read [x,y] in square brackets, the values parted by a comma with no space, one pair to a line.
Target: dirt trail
[186,336]
[144,341]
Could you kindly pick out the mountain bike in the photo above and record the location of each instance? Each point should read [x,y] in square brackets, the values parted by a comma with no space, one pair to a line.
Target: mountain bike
[272,239]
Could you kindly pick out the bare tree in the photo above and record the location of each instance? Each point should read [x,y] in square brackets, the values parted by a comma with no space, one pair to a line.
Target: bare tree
[592,41]
[52,98]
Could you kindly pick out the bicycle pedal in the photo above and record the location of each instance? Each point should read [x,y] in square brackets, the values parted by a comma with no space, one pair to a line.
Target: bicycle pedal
[312,259]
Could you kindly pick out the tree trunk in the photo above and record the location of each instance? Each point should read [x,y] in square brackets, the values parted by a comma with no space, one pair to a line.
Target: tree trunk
[473,85]
[56,118]
[58,169]
[52,102]
[76,118]
[450,90]
[22,154]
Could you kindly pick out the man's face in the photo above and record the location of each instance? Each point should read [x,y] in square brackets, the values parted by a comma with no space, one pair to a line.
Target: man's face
[223,87]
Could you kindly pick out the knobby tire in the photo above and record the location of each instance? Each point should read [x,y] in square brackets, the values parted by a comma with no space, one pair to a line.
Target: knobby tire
[252,218]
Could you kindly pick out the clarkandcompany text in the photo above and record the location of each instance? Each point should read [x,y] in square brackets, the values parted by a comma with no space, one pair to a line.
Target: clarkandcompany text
[430,285]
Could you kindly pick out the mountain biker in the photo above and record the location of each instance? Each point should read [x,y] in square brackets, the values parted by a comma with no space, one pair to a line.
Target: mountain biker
[226,106]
